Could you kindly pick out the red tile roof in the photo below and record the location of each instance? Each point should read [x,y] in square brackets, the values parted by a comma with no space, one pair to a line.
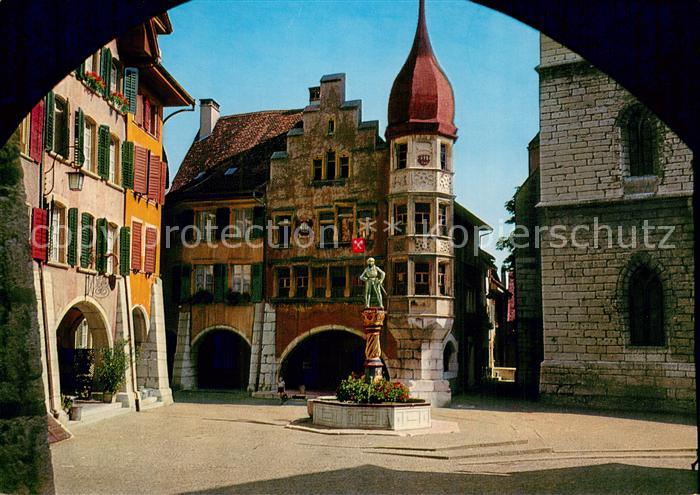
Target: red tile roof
[233,135]
[421,98]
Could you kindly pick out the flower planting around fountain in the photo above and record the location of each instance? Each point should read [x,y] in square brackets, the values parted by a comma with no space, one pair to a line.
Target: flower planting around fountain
[373,405]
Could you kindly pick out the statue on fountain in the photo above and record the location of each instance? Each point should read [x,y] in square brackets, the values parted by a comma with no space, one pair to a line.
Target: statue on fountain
[373,277]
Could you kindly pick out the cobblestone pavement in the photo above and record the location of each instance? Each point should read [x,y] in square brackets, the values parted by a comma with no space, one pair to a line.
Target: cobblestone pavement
[202,444]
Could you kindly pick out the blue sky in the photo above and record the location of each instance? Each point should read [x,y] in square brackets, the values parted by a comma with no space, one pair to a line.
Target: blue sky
[264,55]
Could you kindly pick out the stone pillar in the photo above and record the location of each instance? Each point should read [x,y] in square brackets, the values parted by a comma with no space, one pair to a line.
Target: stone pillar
[268,366]
[127,394]
[183,371]
[372,322]
[154,349]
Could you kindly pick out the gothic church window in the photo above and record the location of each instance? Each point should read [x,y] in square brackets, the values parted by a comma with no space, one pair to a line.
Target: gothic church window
[640,142]
[646,315]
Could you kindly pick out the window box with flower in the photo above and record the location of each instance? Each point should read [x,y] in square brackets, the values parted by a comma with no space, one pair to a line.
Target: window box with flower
[119,101]
[94,82]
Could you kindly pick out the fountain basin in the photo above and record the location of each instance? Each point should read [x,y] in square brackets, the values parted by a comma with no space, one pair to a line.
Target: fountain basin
[328,411]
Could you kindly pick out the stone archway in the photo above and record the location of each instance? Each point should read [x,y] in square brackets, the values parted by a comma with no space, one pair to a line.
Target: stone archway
[140,321]
[321,357]
[221,358]
[81,334]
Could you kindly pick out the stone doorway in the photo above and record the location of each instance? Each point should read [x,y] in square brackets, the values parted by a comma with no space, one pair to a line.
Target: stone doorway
[321,360]
[222,358]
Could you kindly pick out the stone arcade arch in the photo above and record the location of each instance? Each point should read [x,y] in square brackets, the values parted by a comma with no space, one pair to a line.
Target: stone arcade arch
[221,358]
[323,356]
[141,329]
[81,333]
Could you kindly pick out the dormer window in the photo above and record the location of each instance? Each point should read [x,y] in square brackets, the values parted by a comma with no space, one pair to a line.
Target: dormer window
[331,127]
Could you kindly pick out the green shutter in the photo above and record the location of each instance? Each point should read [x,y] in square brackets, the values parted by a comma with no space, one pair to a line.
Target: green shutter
[103,152]
[80,71]
[63,145]
[220,282]
[128,164]
[124,251]
[131,85]
[258,223]
[101,245]
[79,137]
[106,68]
[186,281]
[50,108]
[85,240]
[72,236]
[256,289]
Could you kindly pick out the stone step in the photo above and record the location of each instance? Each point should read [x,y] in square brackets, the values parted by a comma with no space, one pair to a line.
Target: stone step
[96,411]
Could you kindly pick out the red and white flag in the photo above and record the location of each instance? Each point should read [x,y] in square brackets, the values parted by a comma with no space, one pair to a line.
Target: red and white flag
[358,245]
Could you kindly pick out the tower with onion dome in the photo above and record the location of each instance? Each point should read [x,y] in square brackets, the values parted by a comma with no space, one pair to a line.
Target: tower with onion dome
[420,256]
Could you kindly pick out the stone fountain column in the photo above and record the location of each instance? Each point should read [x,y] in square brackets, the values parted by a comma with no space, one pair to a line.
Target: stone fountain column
[372,322]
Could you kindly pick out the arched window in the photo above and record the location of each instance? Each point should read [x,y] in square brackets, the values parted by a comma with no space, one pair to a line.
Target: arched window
[646,313]
[640,140]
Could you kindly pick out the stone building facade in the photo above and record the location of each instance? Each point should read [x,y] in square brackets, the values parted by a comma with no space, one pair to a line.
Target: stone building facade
[78,169]
[617,272]
[329,179]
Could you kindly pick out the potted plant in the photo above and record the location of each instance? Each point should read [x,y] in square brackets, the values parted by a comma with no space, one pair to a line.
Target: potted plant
[74,412]
[202,296]
[109,372]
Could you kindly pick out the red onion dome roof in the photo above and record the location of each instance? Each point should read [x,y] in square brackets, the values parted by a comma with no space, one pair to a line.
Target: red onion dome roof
[422,100]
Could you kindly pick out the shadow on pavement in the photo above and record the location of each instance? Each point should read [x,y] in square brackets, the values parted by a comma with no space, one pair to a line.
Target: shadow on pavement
[605,478]
[481,402]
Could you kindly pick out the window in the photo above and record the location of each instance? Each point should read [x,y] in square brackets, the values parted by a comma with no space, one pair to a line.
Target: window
[422,279]
[331,126]
[111,245]
[346,222]
[448,354]
[57,251]
[646,312]
[318,169]
[153,119]
[89,145]
[319,276]
[242,221]
[283,282]
[442,220]
[400,278]
[330,165]
[24,135]
[240,281]
[400,219]
[301,279]
[204,278]
[401,155]
[326,222]
[640,138]
[357,286]
[284,229]
[206,224]
[443,284]
[443,156]
[60,127]
[338,281]
[91,63]
[113,159]
[422,218]
[365,224]
[344,166]
[115,81]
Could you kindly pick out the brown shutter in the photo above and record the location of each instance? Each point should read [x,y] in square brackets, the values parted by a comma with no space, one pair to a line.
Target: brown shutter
[140,169]
[154,177]
[149,265]
[163,181]
[36,133]
[40,234]
[136,246]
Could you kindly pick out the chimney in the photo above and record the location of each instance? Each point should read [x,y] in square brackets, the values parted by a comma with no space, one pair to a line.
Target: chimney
[208,116]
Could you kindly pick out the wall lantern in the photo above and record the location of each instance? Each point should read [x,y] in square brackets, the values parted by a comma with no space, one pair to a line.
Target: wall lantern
[75,180]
